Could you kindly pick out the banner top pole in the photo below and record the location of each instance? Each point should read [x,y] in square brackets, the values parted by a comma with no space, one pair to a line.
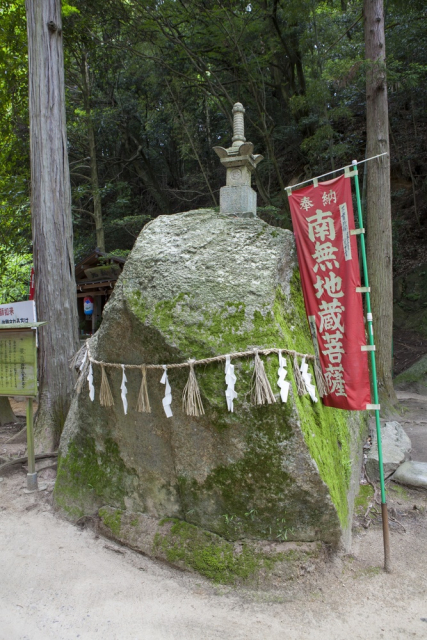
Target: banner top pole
[354,162]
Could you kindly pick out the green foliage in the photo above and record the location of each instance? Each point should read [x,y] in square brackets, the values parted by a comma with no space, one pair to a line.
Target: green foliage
[15,271]
[161,80]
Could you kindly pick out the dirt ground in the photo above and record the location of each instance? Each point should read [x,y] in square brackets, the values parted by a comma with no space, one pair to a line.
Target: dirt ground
[58,581]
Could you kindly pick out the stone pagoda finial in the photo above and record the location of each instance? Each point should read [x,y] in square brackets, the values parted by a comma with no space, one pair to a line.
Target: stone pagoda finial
[238,125]
[237,197]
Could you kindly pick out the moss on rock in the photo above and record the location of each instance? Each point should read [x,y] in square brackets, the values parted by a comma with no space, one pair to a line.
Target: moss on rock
[89,476]
[192,548]
[208,554]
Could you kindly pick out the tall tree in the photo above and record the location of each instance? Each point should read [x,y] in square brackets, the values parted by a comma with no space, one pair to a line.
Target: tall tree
[379,239]
[51,216]
[96,195]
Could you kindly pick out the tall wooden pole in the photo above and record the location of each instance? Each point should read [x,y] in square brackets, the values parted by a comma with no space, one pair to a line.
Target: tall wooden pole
[371,341]
[55,294]
[379,229]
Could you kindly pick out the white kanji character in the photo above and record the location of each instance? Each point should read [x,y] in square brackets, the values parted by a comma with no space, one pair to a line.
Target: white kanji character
[321,226]
[330,316]
[329,197]
[335,378]
[325,253]
[334,348]
[331,285]
[306,203]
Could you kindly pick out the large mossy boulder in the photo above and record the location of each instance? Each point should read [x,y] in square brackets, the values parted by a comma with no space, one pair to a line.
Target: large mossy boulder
[200,284]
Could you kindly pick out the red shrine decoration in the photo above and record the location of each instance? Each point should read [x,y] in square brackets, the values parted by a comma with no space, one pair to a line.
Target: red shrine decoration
[323,222]
[88,306]
[32,285]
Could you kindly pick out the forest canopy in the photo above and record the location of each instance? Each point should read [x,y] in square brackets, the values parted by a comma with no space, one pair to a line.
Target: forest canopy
[149,92]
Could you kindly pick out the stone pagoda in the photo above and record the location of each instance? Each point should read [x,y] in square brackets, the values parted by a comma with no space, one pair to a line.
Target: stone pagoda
[237,197]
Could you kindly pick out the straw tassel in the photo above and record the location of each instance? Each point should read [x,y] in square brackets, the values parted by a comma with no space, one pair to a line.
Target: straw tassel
[105,395]
[261,390]
[298,378]
[322,385]
[143,403]
[191,400]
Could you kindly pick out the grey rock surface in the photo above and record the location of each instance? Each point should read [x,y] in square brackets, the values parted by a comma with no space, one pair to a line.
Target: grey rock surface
[413,379]
[412,473]
[200,284]
[396,448]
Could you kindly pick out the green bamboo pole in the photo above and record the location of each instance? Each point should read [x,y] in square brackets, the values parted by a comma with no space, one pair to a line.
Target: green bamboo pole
[384,513]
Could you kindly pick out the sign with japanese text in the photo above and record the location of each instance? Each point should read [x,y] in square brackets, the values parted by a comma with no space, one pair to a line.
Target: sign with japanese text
[322,217]
[18,363]
[18,312]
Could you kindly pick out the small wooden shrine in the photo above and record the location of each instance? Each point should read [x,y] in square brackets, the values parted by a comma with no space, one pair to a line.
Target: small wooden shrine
[96,276]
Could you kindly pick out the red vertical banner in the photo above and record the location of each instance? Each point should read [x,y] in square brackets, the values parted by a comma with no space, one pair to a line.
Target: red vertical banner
[32,285]
[323,222]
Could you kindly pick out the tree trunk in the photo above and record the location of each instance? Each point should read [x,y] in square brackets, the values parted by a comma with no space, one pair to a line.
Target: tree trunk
[55,297]
[6,413]
[97,208]
[379,236]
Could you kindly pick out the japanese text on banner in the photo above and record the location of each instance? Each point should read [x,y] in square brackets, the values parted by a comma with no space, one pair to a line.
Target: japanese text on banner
[322,217]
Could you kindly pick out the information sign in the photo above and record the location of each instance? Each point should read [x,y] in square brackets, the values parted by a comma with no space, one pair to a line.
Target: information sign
[18,363]
[18,312]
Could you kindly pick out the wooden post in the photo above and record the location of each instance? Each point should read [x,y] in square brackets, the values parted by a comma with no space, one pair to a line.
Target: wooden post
[32,473]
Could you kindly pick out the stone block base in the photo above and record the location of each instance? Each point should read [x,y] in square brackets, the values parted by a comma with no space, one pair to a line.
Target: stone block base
[239,201]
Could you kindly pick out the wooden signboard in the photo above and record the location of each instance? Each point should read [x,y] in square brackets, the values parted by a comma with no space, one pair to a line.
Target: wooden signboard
[18,376]
[18,363]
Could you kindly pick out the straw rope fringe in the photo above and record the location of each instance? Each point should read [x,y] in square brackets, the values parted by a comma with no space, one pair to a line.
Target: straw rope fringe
[322,385]
[191,400]
[143,403]
[301,389]
[105,395]
[221,358]
[261,389]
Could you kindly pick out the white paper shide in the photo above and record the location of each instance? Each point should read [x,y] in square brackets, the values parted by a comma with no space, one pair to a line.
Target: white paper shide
[124,391]
[167,400]
[281,382]
[306,376]
[230,380]
[90,381]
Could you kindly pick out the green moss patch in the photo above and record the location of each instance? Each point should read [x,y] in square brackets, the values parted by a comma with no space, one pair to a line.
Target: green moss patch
[363,498]
[111,520]
[204,552]
[210,555]
[88,477]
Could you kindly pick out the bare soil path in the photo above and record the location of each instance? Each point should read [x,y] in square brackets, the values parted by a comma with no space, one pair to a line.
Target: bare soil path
[58,582]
